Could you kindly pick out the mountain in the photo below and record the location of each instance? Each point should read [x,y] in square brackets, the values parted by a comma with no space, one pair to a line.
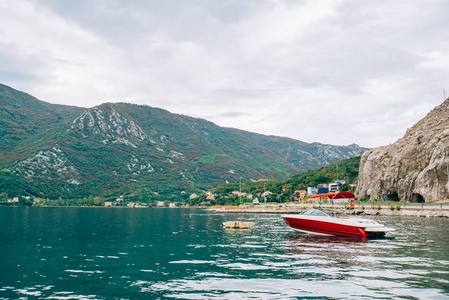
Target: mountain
[415,167]
[59,151]
[305,156]
[22,117]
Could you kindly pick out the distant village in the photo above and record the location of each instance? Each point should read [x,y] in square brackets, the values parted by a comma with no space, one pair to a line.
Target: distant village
[297,195]
[208,197]
[121,199]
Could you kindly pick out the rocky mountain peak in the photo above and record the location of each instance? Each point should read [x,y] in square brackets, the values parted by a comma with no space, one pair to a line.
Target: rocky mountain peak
[437,119]
[414,168]
[105,122]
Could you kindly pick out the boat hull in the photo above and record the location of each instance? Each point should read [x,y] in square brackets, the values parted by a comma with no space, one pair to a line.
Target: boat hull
[325,227]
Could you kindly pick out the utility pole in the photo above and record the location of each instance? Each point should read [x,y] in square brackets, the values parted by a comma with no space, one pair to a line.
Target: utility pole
[264,195]
[338,183]
[337,170]
[240,191]
[291,193]
[447,167]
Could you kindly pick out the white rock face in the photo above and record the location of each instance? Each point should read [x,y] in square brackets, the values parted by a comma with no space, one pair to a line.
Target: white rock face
[108,124]
[49,164]
[414,168]
[177,155]
[136,166]
[317,154]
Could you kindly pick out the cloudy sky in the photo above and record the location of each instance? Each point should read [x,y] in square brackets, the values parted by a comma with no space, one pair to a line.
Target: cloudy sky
[335,72]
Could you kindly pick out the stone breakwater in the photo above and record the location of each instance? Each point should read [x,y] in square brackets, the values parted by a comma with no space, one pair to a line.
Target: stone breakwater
[409,210]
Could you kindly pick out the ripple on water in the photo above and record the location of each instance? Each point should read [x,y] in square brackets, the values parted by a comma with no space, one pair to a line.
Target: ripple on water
[193,262]
[235,288]
[85,272]
[142,259]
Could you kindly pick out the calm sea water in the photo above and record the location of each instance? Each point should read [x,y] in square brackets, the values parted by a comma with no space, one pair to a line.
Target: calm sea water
[125,253]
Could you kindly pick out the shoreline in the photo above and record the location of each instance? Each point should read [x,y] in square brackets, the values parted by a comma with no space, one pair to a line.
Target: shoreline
[431,210]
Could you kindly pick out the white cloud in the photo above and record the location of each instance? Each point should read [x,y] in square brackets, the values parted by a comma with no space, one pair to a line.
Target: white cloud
[70,62]
[336,72]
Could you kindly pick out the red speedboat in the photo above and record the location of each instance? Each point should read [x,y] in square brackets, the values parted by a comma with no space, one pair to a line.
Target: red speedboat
[315,221]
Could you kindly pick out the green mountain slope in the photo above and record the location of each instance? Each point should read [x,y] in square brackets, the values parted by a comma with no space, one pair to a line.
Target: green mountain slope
[56,151]
[23,116]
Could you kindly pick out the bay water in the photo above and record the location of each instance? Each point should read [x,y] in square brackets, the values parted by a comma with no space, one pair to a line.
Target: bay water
[181,253]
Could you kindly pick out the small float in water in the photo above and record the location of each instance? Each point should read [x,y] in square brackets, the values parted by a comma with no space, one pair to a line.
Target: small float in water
[238,224]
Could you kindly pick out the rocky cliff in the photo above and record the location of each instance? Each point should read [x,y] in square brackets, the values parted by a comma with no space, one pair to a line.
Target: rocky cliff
[414,168]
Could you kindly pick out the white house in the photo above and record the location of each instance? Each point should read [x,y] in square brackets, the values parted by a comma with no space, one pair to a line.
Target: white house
[14,200]
[311,191]
[334,186]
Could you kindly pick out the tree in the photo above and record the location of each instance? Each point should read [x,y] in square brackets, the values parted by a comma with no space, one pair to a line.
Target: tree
[3,196]
[25,202]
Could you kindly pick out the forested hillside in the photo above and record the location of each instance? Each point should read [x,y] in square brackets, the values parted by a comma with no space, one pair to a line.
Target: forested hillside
[56,151]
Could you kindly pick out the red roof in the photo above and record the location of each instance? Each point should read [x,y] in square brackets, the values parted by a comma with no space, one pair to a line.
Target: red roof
[339,195]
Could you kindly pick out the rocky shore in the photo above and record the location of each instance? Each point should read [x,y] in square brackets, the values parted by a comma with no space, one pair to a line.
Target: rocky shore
[433,210]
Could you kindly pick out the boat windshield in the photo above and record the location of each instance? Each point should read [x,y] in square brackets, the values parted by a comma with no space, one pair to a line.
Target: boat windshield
[315,212]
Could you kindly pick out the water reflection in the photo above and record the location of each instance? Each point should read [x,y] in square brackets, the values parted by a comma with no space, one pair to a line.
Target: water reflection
[325,250]
[297,238]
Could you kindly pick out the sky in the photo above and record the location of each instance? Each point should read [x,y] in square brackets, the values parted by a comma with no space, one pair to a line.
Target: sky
[335,72]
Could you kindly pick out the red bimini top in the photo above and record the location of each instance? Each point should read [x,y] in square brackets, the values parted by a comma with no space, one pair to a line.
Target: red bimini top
[339,195]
